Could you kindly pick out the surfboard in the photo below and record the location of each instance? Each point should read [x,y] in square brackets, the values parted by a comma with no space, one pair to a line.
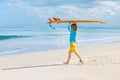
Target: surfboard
[58,20]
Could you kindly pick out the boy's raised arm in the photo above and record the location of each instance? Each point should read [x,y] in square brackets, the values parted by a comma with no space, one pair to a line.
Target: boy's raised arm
[69,28]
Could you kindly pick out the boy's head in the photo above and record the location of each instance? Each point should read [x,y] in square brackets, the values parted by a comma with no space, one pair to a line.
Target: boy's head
[74,26]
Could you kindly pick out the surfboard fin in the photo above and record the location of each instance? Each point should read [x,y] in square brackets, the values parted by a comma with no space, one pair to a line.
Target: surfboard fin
[56,19]
[50,20]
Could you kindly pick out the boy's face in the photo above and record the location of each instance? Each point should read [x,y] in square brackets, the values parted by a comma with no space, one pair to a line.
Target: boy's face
[73,27]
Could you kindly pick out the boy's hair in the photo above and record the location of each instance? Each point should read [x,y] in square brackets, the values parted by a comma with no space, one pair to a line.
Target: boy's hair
[74,26]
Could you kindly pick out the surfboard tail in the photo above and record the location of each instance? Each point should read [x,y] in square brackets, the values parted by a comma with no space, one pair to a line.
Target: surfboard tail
[54,20]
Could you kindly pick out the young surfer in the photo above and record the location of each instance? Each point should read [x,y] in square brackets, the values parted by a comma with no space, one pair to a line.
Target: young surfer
[73,46]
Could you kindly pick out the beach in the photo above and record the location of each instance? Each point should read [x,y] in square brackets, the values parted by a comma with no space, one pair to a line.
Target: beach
[35,37]
[101,62]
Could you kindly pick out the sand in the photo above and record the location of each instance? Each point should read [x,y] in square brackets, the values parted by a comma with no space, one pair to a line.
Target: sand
[102,62]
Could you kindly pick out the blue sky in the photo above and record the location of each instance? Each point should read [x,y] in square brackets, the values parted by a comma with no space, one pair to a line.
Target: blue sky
[34,13]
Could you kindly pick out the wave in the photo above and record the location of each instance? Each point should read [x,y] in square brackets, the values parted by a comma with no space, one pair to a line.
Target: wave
[6,37]
[12,51]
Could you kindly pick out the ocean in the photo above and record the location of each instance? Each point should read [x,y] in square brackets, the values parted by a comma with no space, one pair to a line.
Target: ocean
[18,41]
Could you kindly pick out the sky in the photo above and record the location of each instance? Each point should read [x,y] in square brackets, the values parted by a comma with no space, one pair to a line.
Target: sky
[34,13]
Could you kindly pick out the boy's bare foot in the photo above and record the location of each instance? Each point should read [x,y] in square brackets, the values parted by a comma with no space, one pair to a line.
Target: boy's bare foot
[65,63]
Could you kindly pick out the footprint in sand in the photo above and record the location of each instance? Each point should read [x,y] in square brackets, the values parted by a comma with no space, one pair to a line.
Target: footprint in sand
[103,60]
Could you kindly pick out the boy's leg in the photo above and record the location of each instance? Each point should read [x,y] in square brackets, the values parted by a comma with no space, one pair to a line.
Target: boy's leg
[79,57]
[68,59]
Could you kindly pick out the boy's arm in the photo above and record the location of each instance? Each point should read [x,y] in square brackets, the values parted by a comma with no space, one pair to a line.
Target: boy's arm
[69,26]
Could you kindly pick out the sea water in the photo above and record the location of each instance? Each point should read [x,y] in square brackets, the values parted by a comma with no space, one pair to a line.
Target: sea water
[14,41]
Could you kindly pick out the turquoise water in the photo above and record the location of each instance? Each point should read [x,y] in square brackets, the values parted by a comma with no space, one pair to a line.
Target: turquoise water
[14,41]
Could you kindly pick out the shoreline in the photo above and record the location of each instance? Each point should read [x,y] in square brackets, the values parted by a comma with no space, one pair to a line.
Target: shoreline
[101,62]
[36,51]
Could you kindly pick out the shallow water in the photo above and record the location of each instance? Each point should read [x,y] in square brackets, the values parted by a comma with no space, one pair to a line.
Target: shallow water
[13,41]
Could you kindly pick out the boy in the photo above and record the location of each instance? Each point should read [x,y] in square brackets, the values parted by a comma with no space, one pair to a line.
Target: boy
[73,46]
